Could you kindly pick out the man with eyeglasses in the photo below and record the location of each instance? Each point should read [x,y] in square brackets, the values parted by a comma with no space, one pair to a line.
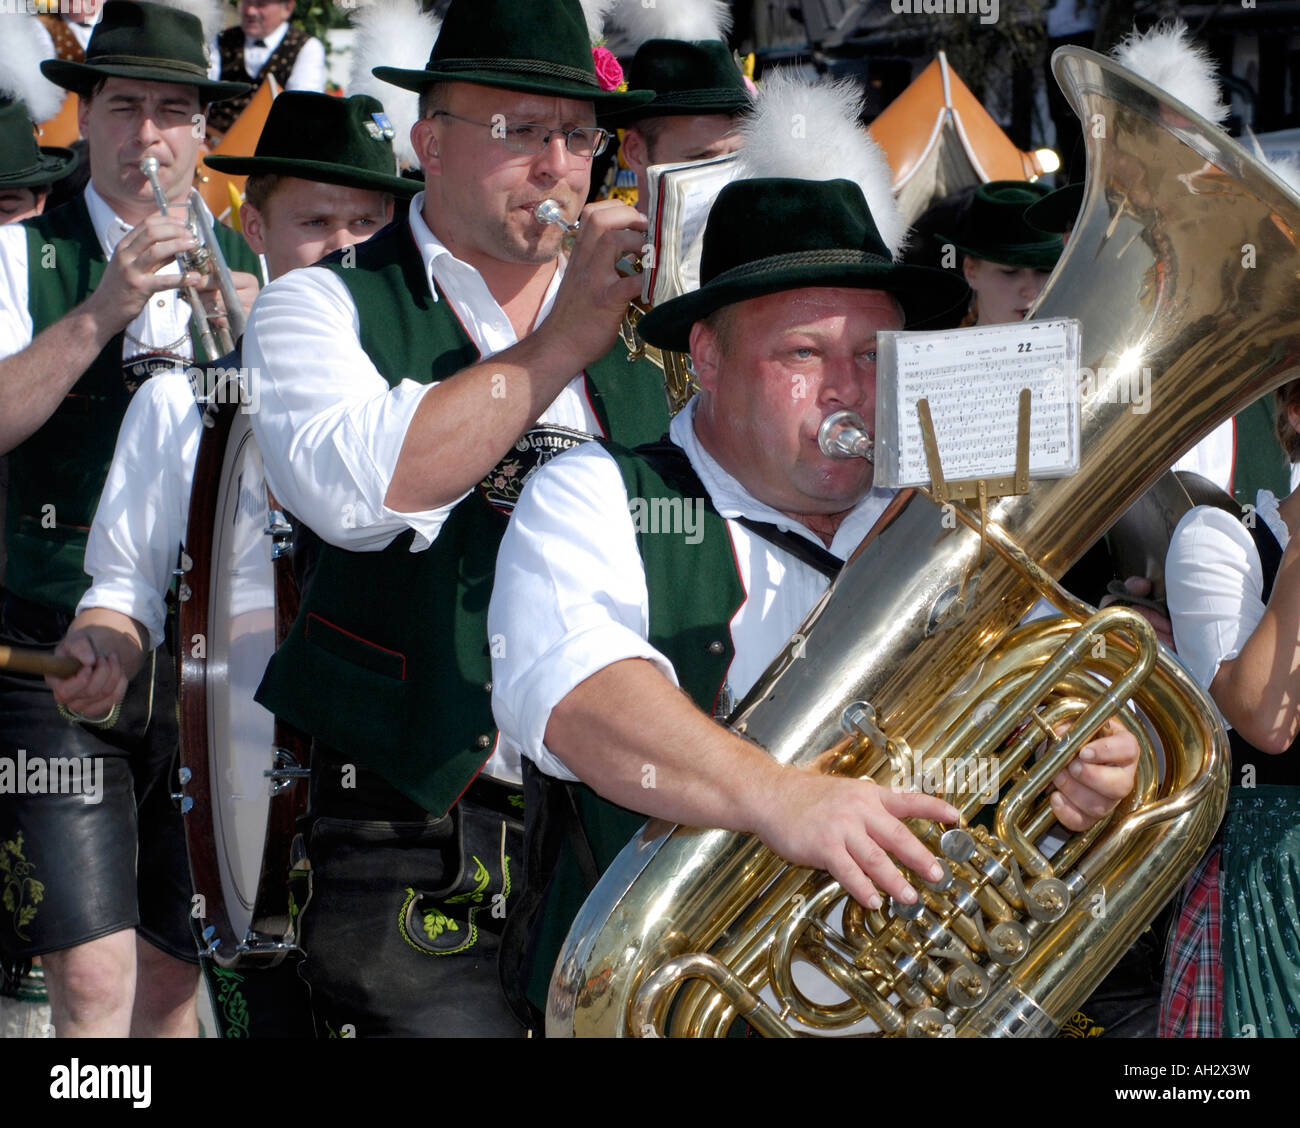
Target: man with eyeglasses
[409,386]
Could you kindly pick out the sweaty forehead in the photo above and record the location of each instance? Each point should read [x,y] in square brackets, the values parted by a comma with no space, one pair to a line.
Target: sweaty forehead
[789,309]
[516,105]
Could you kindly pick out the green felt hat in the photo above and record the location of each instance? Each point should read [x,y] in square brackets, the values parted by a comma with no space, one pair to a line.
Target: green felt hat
[538,47]
[766,235]
[995,228]
[149,42]
[344,141]
[23,163]
[699,77]
[1057,211]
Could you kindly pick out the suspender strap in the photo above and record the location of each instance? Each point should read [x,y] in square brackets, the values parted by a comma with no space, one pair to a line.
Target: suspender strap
[670,461]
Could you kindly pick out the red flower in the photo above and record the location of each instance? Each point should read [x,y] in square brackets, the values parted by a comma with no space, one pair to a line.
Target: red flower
[608,72]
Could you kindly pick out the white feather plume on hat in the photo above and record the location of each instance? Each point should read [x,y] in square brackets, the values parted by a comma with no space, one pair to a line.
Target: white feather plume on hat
[393,33]
[632,22]
[21,44]
[596,12]
[809,131]
[1167,57]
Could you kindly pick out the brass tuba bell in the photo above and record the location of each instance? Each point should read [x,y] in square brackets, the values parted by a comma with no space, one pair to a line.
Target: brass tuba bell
[913,663]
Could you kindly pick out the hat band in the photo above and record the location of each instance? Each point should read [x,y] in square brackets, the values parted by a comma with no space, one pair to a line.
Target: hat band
[147,61]
[832,257]
[519,66]
[701,96]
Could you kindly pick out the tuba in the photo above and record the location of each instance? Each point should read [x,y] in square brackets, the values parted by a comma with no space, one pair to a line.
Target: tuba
[1182,268]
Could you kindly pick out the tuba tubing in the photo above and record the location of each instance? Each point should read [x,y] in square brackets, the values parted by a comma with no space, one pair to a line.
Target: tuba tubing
[1154,272]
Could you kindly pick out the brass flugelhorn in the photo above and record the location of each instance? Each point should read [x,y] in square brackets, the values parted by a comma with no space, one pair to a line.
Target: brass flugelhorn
[205,259]
[679,381]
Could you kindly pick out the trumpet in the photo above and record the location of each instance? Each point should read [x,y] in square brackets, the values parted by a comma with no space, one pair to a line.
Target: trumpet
[679,380]
[206,258]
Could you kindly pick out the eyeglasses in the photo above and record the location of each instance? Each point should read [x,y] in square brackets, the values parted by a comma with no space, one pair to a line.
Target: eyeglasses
[531,137]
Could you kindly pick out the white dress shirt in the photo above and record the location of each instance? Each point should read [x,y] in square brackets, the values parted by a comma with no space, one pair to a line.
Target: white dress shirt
[1214,457]
[144,507]
[329,426]
[570,596]
[308,71]
[163,323]
[1214,583]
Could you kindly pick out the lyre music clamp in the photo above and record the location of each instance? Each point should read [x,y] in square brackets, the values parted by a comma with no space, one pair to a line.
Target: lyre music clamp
[980,488]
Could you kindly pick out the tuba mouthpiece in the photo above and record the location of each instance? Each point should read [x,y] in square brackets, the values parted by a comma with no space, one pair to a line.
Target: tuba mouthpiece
[844,435]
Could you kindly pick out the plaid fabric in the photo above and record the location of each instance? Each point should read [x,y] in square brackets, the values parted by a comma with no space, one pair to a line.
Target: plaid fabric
[1191,1000]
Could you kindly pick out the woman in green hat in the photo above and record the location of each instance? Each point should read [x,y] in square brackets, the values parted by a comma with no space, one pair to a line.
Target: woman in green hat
[1005,261]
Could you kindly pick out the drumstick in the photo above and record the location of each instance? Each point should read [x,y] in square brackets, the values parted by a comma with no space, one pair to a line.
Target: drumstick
[24,661]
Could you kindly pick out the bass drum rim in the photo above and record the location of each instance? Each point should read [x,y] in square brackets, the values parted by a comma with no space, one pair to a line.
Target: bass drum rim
[269,937]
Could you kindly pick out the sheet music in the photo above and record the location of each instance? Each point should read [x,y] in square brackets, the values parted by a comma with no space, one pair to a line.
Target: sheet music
[680,198]
[972,379]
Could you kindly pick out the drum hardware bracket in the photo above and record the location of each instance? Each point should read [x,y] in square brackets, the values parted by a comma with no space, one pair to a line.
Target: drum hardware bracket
[286,770]
[187,803]
[280,532]
[184,563]
[212,940]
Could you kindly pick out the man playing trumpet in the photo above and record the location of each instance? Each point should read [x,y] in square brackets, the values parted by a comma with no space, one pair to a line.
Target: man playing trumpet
[406,392]
[88,311]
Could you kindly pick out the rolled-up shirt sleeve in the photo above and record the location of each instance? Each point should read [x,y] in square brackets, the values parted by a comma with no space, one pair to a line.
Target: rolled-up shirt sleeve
[1215,587]
[329,427]
[569,599]
[140,522]
[15,320]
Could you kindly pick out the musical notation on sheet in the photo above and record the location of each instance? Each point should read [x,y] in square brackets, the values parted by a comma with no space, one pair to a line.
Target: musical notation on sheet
[972,379]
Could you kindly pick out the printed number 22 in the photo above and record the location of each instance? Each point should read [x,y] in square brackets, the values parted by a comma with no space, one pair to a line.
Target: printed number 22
[1024,346]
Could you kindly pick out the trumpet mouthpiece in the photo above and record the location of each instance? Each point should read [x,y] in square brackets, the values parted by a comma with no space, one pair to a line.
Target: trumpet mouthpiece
[149,165]
[548,211]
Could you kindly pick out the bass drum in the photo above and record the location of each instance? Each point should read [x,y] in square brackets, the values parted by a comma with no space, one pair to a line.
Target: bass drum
[243,772]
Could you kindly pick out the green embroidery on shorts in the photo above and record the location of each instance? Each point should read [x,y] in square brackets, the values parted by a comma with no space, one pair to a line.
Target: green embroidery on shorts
[482,876]
[516,801]
[435,924]
[234,1007]
[22,892]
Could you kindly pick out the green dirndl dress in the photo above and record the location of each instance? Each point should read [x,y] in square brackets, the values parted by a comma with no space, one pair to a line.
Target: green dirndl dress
[1260,882]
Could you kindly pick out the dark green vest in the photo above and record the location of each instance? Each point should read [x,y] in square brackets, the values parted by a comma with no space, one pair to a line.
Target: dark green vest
[56,475]
[695,591]
[1258,459]
[388,661]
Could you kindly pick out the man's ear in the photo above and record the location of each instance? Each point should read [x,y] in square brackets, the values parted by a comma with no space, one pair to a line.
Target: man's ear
[706,354]
[83,114]
[253,225]
[636,152]
[425,136]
